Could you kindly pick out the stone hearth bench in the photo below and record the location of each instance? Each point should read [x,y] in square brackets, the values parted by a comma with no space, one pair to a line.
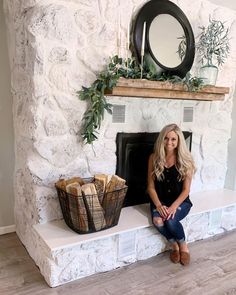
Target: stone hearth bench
[63,255]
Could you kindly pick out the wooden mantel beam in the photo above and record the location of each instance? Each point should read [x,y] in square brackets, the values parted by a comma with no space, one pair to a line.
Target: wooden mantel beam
[166,90]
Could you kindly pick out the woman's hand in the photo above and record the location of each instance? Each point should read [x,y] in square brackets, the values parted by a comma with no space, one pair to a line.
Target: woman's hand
[171,212]
[163,210]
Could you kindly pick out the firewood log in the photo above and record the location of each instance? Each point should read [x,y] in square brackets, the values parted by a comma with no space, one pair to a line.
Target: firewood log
[77,207]
[115,183]
[94,207]
[61,184]
[100,182]
[75,179]
[113,199]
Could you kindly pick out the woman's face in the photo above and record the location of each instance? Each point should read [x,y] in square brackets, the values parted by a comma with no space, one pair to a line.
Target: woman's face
[171,141]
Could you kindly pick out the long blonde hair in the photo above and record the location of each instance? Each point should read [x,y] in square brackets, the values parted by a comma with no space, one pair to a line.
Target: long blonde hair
[184,161]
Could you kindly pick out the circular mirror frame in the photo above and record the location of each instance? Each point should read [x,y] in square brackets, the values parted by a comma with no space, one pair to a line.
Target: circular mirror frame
[147,14]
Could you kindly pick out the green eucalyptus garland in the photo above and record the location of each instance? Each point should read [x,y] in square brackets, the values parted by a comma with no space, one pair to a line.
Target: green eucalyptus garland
[107,79]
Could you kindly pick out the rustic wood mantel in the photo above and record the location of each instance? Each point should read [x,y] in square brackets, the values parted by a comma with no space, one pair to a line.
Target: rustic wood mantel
[165,90]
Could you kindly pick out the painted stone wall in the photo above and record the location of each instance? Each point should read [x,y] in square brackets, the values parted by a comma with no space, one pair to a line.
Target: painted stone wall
[55,47]
[64,264]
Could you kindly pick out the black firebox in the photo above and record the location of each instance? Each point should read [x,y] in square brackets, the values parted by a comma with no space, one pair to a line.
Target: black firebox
[133,150]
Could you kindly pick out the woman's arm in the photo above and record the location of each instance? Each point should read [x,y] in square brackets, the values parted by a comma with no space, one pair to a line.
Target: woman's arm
[152,191]
[184,194]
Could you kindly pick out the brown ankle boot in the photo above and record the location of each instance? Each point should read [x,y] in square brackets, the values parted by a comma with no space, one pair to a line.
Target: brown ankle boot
[184,258]
[175,256]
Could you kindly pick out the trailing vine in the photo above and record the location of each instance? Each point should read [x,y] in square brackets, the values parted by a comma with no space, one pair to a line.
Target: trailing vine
[107,79]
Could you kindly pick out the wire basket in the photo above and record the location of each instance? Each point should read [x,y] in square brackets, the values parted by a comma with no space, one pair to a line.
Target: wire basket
[86,214]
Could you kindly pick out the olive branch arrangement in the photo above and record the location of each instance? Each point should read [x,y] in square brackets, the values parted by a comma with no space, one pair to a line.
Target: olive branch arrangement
[107,79]
[213,45]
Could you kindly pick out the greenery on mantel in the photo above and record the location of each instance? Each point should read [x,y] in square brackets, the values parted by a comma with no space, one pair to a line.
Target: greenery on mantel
[107,79]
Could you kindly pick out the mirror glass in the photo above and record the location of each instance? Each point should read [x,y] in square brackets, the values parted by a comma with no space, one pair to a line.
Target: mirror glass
[166,39]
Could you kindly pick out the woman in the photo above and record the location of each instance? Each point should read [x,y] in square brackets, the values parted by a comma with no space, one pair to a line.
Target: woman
[170,171]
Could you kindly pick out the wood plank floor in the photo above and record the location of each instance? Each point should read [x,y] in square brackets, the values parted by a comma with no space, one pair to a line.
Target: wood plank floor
[212,271]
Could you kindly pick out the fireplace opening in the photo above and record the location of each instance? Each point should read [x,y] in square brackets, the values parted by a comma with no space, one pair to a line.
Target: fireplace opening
[133,151]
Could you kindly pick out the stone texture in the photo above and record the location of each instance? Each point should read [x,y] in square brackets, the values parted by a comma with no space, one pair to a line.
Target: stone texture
[228,220]
[149,243]
[101,255]
[197,226]
[52,22]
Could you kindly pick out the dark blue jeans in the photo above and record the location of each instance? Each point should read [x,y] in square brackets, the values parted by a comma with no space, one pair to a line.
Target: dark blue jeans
[172,229]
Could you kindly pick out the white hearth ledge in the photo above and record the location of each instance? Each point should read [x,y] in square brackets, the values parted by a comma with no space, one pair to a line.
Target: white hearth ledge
[63,255]
[57,234]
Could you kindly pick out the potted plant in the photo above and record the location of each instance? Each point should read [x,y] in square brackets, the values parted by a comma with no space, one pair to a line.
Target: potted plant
[213,48]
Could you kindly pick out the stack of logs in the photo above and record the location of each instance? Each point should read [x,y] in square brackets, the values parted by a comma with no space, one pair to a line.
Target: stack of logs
[93,205]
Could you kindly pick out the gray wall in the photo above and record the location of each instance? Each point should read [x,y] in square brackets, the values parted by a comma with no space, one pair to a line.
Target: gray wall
[6,133]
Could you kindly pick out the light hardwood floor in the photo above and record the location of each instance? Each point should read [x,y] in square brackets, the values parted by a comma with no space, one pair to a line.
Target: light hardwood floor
[212,271]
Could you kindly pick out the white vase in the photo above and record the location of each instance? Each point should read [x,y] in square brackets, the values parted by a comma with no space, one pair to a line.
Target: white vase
[209,74]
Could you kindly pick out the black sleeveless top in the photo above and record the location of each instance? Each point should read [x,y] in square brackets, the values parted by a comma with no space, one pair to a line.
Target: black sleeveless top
[169,188]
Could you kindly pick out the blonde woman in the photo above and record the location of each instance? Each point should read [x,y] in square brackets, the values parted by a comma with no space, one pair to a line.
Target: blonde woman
[170,171]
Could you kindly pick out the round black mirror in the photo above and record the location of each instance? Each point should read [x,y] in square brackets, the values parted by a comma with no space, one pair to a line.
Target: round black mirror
[169,40]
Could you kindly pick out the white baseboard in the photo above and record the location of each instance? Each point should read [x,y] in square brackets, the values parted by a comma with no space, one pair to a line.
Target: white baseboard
[7,229]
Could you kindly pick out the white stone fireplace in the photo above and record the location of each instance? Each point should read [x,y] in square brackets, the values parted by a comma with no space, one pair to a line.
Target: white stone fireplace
[55,48]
